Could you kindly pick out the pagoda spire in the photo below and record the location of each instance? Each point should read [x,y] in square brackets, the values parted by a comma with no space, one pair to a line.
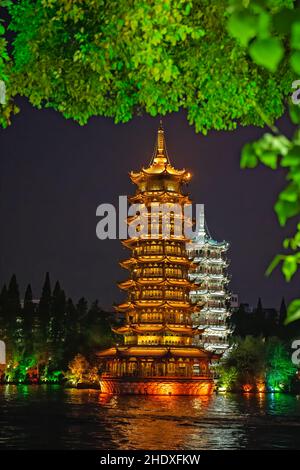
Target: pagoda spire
[160,154]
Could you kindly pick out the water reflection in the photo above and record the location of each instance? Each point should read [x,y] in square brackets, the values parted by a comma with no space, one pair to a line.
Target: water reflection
[52,417]
[157,422]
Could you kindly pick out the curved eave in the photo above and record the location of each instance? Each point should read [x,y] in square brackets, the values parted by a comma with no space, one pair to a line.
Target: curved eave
[154,303]
[159,196]
[163,169]
[158,169]
[149,215]
[156,351]
[122,330]
[190,352]
[155,259]
[201,241]
[196,243]
[111,352]
[149,328]
[140,240]
[187,330]
[125,285]
[163,303]
[124,307]
[128,284]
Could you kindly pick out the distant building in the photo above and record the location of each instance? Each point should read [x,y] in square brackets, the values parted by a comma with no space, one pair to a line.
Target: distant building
[247,308]
[234,301]
[211,293]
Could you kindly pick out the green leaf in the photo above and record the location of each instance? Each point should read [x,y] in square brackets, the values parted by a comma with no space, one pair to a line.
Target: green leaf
[6,3]
[274,264]
[296,136]
[263,24]
[293,311]
[294,175]
[290,193]
[285,210]
[269,159]
[295,35]
[293,243]
[2,29]
[242,26]
[294,110]
[187,9]
[292,158]
[248,157]
[275,143]
[267,53]
[289,267]
[295,61]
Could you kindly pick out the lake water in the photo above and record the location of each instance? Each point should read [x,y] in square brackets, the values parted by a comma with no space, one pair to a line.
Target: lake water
[51,417]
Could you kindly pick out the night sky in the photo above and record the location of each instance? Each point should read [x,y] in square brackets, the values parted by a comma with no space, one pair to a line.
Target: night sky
[54,173]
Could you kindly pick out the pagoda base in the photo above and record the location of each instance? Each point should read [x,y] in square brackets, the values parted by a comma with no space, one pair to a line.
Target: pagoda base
[156,386]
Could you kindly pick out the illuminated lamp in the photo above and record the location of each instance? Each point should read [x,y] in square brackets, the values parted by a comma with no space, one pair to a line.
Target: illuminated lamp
[247,388]
[261,387]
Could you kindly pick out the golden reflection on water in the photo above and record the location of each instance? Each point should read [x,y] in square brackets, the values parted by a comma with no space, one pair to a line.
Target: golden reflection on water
[159,422]
[178,422]
[169,422]
[87,419]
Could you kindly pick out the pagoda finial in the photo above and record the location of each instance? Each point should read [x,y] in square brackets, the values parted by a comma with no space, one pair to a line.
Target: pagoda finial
[160,152]
[160,140]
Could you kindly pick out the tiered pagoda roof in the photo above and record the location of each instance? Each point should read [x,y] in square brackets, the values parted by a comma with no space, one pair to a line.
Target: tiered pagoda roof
[155,352]
[160,165]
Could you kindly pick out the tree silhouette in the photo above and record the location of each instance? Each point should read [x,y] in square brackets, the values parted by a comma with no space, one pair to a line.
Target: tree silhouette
[44,310]
[28,314]
[41,340]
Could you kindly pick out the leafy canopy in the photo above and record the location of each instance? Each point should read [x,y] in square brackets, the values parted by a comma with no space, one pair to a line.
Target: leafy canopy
[226,63]
[274,150]
[92,57]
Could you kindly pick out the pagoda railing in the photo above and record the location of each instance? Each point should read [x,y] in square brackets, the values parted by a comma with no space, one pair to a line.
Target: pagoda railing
[161,251]
[213,309]
[211,322]
[204,375]
[210,339]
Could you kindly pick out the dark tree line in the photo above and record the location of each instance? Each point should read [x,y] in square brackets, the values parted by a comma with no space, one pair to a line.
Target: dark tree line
[44,336]
[263,322]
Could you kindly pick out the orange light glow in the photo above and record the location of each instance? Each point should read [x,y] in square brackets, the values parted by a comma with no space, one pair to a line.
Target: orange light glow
[247,388]
[114,386]
[261,387]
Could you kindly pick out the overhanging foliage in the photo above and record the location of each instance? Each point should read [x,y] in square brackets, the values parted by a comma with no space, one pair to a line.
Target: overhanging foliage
[97,58]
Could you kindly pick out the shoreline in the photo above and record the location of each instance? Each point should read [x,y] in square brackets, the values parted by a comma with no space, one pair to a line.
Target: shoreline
[97,388]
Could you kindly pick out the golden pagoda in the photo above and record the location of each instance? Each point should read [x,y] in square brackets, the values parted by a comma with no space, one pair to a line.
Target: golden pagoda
[157,356]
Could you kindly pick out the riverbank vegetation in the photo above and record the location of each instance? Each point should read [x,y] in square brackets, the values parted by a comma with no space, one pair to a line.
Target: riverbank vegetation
[258,365]
[43,336]
[53,340]
[260,357]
